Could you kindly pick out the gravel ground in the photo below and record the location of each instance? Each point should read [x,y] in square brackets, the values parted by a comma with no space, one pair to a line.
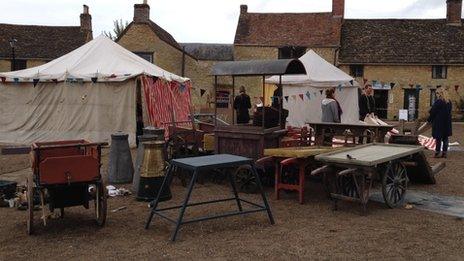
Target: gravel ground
[311,230]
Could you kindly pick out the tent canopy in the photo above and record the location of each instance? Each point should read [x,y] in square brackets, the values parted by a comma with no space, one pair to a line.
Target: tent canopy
[319,73]
[101,58]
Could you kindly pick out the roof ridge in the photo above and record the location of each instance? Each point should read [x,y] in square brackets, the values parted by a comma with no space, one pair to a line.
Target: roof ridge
[35,25]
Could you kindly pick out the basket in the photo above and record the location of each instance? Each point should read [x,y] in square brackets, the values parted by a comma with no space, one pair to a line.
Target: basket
[7,189]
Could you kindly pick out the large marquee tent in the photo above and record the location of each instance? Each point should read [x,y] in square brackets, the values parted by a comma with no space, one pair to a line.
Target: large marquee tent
[88,93]
[303,93]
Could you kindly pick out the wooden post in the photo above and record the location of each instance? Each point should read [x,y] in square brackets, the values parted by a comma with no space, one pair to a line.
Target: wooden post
[264,95]
[215,100]
[233,98]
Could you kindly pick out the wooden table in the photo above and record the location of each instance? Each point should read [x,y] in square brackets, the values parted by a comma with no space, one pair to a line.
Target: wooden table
[195,165]
[302,157]
[357,129]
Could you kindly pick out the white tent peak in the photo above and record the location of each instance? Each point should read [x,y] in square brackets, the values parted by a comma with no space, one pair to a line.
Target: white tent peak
[319,73]
[102,57]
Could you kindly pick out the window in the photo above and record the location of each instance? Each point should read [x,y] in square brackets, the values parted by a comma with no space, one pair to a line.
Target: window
[145,55]
[357,70]
[439,72]
[291,52]
[433,96]
[19,64]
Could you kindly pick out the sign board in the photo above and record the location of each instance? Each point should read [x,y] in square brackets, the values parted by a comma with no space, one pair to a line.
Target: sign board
[403,115]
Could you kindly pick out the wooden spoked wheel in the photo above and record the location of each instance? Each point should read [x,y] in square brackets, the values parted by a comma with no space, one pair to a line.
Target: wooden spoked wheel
[347,186]
[246,180]
[394,184]
[100,204]
[30,204]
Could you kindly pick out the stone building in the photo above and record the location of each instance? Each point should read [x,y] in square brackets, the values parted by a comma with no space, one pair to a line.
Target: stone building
[415,56]
[36,44]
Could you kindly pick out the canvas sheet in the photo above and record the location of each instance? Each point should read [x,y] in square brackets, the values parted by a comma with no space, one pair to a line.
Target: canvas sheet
[63,111]
[167,102]
[309,109]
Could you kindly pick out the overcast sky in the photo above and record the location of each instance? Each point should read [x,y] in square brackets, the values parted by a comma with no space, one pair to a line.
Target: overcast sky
[209,21]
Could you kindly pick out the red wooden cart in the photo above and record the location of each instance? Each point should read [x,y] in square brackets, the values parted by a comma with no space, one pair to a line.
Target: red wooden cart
[66,174]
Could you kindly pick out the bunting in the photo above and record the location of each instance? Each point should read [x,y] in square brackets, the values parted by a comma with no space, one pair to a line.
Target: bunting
[456,87]
[35,82]
[286,98]
[301,96]
[202,92]
[3,79]
[308,95]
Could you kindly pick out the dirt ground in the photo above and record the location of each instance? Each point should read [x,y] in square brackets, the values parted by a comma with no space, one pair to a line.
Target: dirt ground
[309,231]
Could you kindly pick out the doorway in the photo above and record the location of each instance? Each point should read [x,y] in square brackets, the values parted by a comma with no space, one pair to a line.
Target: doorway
[381,103]
[411,103]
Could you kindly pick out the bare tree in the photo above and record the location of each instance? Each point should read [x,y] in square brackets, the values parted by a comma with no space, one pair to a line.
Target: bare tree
[119,27]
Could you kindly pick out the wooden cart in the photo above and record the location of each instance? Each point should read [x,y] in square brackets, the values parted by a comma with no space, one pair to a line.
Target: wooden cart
[65,174]
[350,173]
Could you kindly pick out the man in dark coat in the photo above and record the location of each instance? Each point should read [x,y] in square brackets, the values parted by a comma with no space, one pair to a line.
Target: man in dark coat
[366,102]
[242,104]
[440,118]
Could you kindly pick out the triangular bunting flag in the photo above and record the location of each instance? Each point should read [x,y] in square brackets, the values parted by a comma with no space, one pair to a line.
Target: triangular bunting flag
[301,96]
[351,82]
[392,84]
[456,87]
[365,80]
[339,87]
[321,91]
[16,80]
[202,92]
[294,97]
[308,95]
[286,98]
[3,79]
[35,82]
[94,79]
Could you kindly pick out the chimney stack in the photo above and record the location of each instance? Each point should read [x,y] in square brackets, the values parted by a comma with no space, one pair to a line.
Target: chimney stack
[142,12]
[243,9]
[338,8]
[86,22]
[454,12]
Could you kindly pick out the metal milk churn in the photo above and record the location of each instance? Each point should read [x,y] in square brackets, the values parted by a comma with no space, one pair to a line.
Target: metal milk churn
[120,167]
[152,172]
[139,159]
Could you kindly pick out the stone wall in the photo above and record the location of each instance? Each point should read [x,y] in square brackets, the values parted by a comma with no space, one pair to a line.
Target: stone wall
[35,62]
[141,38]
[404,75]
[5,65]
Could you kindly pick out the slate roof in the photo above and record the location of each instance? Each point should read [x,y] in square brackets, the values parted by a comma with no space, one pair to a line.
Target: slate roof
[401,41]
[42,42]
[288,29]
[213,52]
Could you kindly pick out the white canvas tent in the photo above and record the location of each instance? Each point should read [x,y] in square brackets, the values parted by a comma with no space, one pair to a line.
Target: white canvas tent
[88,93]
[320,75]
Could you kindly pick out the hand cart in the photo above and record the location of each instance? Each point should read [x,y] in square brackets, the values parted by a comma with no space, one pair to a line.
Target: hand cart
[350,173]
[65,174]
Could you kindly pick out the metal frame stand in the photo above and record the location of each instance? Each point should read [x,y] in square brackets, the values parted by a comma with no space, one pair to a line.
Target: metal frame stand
[180,219]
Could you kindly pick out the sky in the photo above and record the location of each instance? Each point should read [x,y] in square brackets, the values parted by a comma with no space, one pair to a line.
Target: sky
[206,21]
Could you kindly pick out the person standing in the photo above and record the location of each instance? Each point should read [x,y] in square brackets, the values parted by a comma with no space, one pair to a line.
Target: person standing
[440,119]
[242,104]
[330,107]
[367,102]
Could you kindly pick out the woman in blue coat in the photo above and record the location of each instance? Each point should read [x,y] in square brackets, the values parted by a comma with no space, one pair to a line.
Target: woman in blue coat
[440,118]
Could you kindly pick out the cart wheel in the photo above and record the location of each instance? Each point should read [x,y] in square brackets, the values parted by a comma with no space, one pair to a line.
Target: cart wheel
[246,180]
[30,204]
[100,203]
[347,186]
[394,184]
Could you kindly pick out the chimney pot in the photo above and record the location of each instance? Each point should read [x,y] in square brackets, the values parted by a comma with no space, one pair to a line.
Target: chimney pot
[243,9]
[86,10]
[142,12]
[454,12]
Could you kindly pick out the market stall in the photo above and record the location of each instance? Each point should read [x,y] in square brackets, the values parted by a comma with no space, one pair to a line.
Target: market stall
[245,139]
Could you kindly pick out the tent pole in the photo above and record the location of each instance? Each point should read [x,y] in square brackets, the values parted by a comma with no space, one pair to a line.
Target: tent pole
[281,102]
[233,98]
[215,101]
[264,95]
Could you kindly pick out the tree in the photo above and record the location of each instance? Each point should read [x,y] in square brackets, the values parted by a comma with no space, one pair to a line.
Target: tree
[119,27]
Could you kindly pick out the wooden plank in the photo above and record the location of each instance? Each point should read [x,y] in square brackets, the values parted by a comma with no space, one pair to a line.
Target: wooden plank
[297,152]
[423,172]
[370,154]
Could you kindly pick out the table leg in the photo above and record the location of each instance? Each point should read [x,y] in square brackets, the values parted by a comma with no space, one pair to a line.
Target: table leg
[301,183]
[234,189]
[277,179]
[154,204]
[184,206]
[260,187]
